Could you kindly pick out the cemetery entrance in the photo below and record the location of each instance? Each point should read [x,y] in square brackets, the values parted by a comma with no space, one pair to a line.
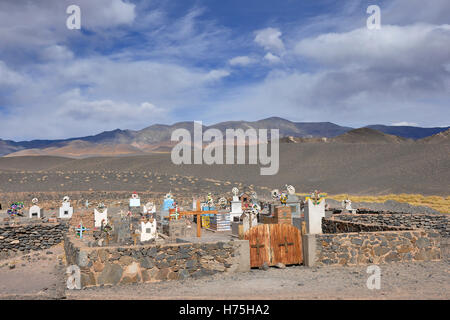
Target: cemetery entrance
[274,243]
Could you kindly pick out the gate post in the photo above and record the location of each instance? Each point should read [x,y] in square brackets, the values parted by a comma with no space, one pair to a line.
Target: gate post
[309,249]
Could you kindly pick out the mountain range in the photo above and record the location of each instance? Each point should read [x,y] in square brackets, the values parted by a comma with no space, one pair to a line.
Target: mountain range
[156,138]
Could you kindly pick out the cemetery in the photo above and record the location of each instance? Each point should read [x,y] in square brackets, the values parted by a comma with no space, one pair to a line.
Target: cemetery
[168,239]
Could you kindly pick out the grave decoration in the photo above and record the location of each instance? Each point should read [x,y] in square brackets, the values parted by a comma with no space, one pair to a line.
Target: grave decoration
[65,211]
[283,198]
[35,211]
[250,217]
[149,208]
[106,231]
[15,209]
[314,212]
[100,215]
[80,229]
[222,203]
[236,206]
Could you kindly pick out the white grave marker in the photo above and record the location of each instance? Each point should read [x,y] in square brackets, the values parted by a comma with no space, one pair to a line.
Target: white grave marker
[236,205]
[35,210]
[99,216]
[148,230]
[135,201]
[314,212]
[65,211]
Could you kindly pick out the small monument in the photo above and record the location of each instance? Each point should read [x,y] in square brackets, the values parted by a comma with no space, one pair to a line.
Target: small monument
[65,211]
[168,203]
[149,208]
[135,203]
[236,205]
[293,202]
[250,218]
[35,210]
[100,216]
[314,212]
[347,206]
[148,230]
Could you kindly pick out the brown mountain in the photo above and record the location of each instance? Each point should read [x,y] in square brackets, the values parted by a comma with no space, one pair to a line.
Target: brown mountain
[367,135]
[438,138]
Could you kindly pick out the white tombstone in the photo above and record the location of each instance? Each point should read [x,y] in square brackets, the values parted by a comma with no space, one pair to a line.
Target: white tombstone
[35,210]
[149,208]
[313,216]
[65,211]
[148,230]
[99,216]
[246,218]
[236,205]
[135,201]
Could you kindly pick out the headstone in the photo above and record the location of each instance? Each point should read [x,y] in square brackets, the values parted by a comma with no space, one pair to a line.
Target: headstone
[168,203]
[293,202]
[236,205]
[148,230]
[135,201]
[347,206]
[249,220]
[149,208]
[121,231]
[314,212]
[100,217]
[35,210]
[65,211]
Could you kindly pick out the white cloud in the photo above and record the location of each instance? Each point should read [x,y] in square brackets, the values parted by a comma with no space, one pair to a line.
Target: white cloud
[269,39]
[272,58]
[241,61]
[405,123]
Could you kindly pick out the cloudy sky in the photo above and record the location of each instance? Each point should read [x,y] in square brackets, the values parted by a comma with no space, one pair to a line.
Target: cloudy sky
[136,63]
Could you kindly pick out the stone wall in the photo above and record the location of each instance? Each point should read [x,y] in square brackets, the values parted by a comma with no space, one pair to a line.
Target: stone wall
[30,236]
[333,225]
[150,263]
[376,247]
[439,223]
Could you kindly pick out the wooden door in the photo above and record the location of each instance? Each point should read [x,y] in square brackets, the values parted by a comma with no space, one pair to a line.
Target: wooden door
[274,243]
[259,241]
[285,244]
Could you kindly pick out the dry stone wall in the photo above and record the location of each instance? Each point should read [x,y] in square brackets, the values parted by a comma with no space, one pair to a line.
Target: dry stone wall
[439,223]
[26,237]
[150,263]
[377,247]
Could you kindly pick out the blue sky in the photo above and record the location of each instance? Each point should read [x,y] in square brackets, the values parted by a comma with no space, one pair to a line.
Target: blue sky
[136,63]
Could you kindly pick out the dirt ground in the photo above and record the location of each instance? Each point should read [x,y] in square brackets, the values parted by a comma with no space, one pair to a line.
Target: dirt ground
[45,279]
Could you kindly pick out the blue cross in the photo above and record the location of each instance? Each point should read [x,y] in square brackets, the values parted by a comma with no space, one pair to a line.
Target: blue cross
[81,229]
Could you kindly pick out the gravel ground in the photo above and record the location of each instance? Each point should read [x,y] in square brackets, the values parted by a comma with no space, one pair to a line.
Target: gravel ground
[389,205]
[428,280]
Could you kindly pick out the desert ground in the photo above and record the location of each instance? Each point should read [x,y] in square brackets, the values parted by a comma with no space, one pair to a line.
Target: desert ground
[41,276]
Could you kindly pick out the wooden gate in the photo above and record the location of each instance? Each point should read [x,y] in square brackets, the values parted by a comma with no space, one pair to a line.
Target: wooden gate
[274,243]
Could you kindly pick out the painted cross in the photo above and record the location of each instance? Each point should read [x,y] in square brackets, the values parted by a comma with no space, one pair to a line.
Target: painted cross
[286,244]
[198,213]
[174,213]
[81,229]
[258,247]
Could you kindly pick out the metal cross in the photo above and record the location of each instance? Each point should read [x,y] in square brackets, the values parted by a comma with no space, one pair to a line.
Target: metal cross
[258,246]
[81,229]
[286,244]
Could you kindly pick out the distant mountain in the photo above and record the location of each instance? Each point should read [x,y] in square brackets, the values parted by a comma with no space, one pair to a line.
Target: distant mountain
[441,137]
[408,131]
[367,135]
[156,138]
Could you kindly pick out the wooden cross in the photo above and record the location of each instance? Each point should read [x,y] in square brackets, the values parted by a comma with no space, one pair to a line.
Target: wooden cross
[286,244]
[134,235]
[258,247]
[197,213]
